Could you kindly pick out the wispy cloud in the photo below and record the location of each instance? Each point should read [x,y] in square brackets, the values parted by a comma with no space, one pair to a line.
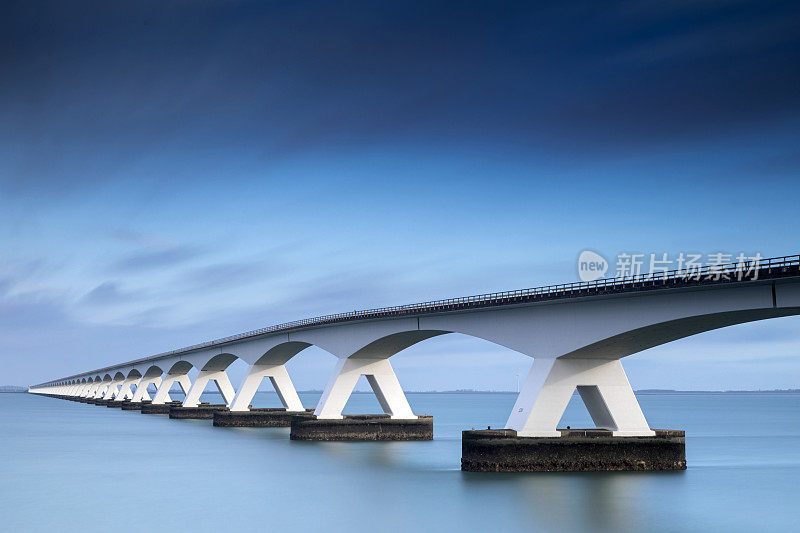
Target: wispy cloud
[151,259]
[108,293]
[229,274]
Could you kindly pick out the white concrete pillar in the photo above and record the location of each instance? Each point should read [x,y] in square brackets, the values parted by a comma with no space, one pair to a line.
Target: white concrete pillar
[219,377]
[113,389]
[280,381]
[162,394]
[382,379]
[602,384]
[141,388]
[125,389]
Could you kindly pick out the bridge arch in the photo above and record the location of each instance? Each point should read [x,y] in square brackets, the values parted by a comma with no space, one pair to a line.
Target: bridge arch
[219,362]
[180,367]
[642,338]
[153,371]
[282,353]
[212,370]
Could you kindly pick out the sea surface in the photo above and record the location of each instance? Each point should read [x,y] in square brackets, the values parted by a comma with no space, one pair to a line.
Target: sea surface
[66,466]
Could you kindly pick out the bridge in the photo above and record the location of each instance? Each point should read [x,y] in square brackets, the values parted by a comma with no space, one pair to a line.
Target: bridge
[576,334]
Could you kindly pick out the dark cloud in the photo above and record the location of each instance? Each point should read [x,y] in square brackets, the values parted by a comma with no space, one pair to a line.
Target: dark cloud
[223,275]
[149,258]
[94,86]
[108,293]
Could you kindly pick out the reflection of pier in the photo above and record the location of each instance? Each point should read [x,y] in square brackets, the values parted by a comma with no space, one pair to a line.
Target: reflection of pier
[576,334]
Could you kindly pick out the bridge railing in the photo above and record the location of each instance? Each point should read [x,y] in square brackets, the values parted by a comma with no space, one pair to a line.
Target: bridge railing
[733,272]
[722,273]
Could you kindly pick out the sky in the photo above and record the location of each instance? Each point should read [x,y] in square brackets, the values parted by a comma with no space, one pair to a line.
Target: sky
[177,171]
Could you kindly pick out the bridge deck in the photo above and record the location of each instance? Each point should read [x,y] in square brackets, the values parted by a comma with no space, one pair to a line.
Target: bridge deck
[706,275]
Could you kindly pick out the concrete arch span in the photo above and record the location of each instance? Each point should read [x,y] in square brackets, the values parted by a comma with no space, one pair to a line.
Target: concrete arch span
[640,339]
[575,345]
[575,342]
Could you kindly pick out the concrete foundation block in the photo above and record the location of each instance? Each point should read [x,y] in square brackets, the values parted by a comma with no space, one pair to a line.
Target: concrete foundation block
[501,450]
[256,418]
[102,402]
[158,409]
[134,406]
[201,412]
[361,428]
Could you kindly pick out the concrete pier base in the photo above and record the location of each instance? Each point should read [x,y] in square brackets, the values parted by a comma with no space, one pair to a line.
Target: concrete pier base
[158,408]
[102,402]
[361,428]
[118,404]
[500,450]
[201,412]
[99,401]
[134,406]
[277,417]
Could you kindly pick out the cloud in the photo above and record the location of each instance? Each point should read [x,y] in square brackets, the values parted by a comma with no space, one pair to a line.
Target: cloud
[150,259]
[285,79]
[108,293]
[229,274]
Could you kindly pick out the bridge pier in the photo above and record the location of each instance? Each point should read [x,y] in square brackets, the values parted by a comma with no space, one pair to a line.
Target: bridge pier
[125,392]
[162,394]
[502,450]
[100,390]
[604,389]
[141,393]
[202,411]
[158,408]
[112,390]
[281,382]
[220,379]
[267,417]
[397,423]
[622,439]
[134,406]
[242,415]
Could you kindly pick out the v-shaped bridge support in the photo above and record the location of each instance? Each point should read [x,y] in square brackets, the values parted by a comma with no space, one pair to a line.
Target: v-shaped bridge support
[602,384]
[381,378]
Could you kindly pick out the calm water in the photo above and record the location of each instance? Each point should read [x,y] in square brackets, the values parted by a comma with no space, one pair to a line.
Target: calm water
[68,467]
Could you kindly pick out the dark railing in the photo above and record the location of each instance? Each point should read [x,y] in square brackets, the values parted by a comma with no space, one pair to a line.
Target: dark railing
[700,275]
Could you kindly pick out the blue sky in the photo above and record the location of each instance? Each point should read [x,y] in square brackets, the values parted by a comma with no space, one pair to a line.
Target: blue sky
[173,172]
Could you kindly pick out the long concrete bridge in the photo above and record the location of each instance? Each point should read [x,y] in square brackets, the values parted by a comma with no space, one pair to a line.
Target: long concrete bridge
[576,334]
